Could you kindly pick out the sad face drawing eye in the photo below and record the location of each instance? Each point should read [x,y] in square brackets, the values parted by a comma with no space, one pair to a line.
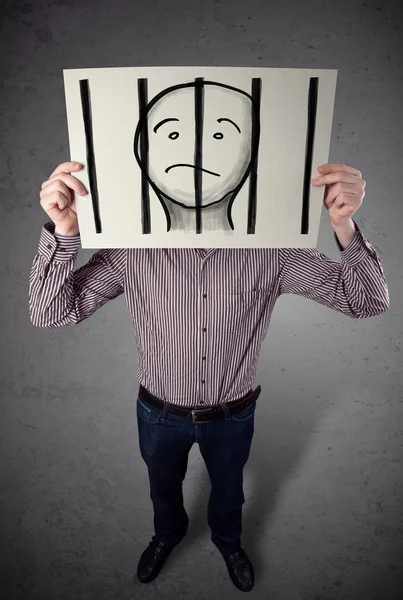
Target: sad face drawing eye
[195,146]
[175,134]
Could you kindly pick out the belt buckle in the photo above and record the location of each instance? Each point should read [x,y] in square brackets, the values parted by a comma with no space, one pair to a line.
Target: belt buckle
[194,411]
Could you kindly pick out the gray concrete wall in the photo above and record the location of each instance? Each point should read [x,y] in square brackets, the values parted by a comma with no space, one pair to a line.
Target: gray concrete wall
[323,486]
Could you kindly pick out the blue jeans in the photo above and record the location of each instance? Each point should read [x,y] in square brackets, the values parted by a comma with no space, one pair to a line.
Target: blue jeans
[165,441]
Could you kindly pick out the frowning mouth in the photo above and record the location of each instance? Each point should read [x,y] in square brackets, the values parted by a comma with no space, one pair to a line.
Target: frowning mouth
[192,167]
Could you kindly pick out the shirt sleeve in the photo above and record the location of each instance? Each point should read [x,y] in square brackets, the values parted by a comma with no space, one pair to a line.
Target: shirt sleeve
[60,295]
[355,286]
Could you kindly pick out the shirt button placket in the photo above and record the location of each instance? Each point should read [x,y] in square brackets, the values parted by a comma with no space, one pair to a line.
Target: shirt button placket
[204,339]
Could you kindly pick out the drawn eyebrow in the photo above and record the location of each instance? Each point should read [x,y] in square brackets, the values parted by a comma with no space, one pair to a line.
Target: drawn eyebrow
[229,121]
[162,122]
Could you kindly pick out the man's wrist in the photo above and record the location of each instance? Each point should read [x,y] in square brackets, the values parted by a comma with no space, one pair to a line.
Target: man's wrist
[67,233]
[345,233]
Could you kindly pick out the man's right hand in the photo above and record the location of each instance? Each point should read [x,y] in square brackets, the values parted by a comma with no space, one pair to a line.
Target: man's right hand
[57,198]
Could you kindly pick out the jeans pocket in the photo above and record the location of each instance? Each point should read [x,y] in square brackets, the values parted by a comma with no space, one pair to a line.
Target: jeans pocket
[245,413]
[147,413]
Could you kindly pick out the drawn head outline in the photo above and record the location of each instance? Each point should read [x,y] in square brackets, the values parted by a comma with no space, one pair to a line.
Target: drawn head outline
[196,143]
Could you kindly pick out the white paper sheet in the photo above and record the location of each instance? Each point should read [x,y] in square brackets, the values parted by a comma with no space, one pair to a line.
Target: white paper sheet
[208,157]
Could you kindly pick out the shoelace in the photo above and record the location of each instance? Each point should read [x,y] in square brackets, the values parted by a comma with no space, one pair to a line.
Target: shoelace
[238,559]
[156,549]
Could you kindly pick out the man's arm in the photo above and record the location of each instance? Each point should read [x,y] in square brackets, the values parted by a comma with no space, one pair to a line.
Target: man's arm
[355,286]
[60,296]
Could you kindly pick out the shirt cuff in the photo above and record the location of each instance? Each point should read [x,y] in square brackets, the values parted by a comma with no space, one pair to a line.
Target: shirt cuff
[357,249]
[61,248]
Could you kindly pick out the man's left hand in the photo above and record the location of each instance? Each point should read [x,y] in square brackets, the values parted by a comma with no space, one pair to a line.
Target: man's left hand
[344,192]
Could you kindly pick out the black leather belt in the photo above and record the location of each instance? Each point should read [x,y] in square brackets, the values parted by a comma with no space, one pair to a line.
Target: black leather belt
[202,415]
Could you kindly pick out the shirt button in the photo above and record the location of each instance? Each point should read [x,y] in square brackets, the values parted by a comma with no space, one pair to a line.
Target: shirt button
[204,295]
[204,328]
[49,246]
[40,277]
[203,381]
[203,358]
[64,249]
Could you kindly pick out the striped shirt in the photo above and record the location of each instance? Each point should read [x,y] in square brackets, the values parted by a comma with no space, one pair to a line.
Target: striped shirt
[199,318]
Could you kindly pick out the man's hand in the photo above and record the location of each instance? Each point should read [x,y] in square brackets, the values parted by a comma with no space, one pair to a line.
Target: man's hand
[344,192]
[58,200]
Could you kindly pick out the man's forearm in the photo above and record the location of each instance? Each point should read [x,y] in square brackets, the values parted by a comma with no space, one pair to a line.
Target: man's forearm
[345,234]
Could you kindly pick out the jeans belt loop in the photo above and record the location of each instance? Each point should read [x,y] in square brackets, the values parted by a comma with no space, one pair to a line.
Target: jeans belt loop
[226,410]
[164,410]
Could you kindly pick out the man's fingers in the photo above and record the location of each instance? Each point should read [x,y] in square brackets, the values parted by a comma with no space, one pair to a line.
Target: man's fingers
[67,167]
[331,168]
[334,177]
[69,180]
[56,192]
[335,190]
[53,198]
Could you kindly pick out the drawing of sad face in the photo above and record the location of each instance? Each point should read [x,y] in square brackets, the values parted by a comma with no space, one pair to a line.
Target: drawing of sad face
[198,142]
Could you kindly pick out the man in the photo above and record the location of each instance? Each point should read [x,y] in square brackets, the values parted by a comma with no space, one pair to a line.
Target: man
[200,318]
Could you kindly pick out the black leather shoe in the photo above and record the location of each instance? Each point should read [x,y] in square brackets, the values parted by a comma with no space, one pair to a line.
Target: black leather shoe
[153,559]
[240,569]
